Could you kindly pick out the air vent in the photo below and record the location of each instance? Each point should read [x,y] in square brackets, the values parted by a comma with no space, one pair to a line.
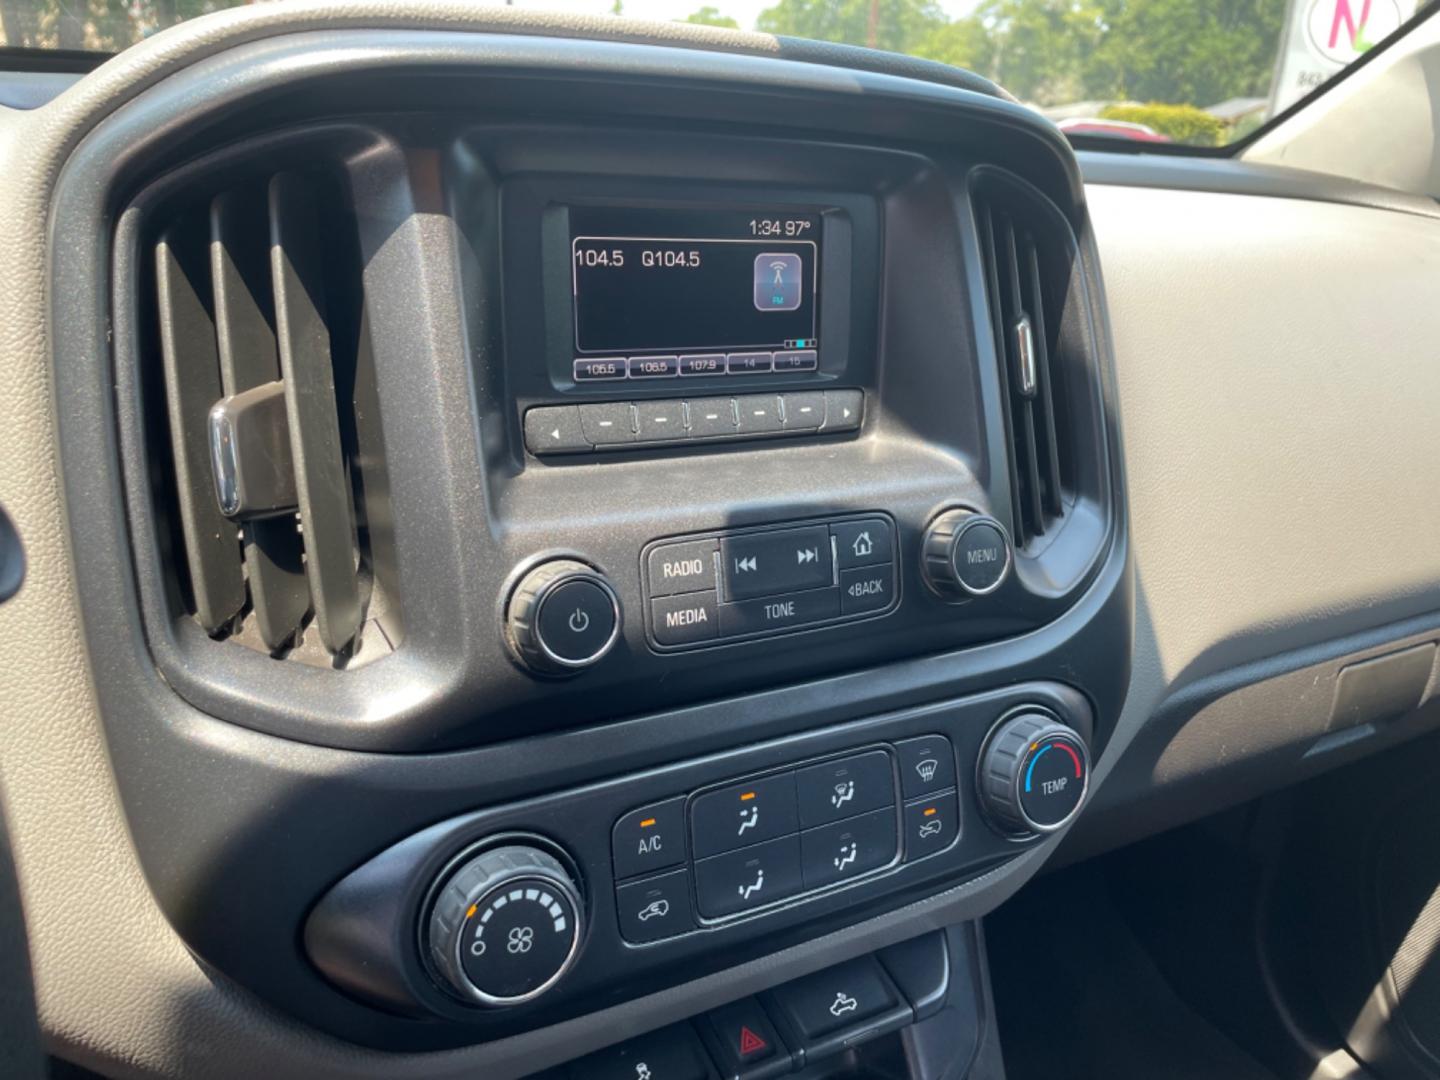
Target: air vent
[260,336]
[1028,266]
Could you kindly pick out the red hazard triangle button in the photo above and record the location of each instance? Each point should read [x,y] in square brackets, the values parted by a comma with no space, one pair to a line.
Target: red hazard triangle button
[750,1043]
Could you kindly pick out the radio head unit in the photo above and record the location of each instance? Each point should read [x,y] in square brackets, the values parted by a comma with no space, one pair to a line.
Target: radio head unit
[660,292]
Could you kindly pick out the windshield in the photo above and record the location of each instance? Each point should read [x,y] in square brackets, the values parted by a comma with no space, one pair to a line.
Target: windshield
[1197,72]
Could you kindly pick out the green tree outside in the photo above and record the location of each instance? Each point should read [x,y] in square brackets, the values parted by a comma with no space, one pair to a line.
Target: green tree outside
[711,16]
[895,25]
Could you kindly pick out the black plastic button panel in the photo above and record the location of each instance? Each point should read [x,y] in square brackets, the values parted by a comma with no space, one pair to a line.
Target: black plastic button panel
[612,425]
[744,845]
[758,582]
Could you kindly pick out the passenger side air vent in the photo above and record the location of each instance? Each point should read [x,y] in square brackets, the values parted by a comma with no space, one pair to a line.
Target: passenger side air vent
[270,453]
[1029,264]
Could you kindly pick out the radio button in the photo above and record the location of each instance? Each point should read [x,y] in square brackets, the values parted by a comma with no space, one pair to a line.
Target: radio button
[712,418]
[703,364]
[600,370]
[743,814]
[654,367]
[804,412]
[770,563]
[797,360]
[749,363]
[660,421]
[555,430]
[682,568]
[684,620]
[779,612]
[759,414]
[612,422]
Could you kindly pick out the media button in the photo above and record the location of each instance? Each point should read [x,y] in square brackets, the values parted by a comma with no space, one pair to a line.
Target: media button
[703,364]
[660,421]
[712,418]
[739,815]
[797,360]
[749,363]
[748,878]
[654,367]
[682,568]
[779,612]
[759,414]
[600,370]
[684,620]
[770,563]
[612,422]
[867,588]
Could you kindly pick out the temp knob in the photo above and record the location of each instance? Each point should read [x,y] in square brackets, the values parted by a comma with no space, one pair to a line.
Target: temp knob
[505,926]
[562,617]
[1033,774]
[965,553]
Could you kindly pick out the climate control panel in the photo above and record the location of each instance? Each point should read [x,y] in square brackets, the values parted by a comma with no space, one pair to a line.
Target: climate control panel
[523,911]
[745,845]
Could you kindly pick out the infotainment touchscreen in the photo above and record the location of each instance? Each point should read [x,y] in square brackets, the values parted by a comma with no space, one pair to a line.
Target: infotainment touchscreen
[693,292]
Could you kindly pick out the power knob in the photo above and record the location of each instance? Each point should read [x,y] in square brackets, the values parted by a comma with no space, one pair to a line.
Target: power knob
[505,926]
[965,553]
[562,617]
[1034,772]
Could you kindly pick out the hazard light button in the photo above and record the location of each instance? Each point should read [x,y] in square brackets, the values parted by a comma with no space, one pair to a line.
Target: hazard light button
[744,1042]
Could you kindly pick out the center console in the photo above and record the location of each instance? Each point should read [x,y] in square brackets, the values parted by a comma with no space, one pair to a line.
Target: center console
[581,574]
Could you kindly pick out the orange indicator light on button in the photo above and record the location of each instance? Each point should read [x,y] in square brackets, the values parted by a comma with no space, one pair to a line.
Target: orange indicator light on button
[930,811]
[747,796]
[647,823]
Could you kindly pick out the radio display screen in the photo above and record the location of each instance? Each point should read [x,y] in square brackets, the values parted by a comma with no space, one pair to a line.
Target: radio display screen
[650,281]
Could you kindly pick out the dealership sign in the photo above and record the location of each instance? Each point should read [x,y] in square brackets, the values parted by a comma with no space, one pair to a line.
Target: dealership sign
[1323,36]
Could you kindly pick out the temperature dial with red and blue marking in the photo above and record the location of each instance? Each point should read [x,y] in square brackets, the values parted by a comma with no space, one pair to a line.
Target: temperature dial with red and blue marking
[1034,772]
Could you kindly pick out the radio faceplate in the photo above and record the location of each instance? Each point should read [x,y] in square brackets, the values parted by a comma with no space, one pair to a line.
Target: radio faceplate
[744,583]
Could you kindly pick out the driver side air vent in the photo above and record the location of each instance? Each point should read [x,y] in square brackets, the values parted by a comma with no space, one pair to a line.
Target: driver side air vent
[1028,264]
[270,456]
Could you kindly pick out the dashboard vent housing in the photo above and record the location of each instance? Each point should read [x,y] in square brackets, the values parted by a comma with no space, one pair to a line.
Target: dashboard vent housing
[1029,262]
[258,318]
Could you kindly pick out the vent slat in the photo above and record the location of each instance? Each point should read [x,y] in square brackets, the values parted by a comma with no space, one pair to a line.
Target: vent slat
[1031,508]
[997,323]
[1023,278]
[322,485]
[249,357]
[1052,496]
[192,384]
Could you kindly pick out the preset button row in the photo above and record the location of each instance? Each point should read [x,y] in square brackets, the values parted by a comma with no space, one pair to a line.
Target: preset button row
[570,429]
[782,362]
